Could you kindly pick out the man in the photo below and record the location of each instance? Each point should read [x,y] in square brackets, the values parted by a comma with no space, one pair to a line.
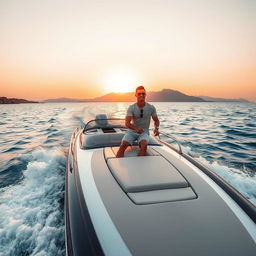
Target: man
[137,120]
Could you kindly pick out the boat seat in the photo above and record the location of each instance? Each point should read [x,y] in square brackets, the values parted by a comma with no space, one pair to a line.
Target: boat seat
[131,151]
[138,174]
[100,140]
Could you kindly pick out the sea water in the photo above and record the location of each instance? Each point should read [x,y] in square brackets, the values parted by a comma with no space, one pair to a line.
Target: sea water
[34,140]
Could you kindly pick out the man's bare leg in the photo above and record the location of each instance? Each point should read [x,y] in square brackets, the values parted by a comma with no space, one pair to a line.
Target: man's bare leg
[123,147]
[143,148]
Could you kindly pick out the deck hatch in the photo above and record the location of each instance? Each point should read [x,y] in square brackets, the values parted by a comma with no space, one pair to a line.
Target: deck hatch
[150,179]
[137,174]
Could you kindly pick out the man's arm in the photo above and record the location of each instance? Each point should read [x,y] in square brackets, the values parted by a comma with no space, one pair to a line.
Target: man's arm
[156,124]
[129,125]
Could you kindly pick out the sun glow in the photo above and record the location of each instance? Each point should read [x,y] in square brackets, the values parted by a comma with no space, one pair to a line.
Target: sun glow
[120,81]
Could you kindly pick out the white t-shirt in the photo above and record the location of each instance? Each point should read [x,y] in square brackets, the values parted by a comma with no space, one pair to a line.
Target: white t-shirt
[141,116]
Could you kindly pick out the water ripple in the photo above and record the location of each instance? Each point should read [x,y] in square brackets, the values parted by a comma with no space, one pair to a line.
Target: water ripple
[12,149]
[241,133]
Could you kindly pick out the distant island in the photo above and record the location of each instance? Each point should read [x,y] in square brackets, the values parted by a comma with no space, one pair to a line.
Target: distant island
[4,100]
[206,98]
[165,95]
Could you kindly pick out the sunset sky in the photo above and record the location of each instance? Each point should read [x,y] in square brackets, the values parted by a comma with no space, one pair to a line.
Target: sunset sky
[84,49]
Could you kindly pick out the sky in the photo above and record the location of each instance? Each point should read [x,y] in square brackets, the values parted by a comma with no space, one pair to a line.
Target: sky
[85,49]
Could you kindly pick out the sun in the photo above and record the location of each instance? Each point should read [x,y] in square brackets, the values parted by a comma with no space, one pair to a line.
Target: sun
[120,81]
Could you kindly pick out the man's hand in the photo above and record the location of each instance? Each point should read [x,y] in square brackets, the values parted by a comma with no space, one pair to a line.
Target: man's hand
[156,132]
[139,130]
[131,126]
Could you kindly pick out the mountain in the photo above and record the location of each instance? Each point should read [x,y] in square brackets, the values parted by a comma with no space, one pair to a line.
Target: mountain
[116,97]
[206,98]
[4,100]
[64,100]
[166,95]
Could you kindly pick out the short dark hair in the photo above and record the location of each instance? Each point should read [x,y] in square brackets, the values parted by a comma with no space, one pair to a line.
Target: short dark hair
[140,88]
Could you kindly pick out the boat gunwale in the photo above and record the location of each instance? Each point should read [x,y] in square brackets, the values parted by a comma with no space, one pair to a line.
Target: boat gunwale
[72,169]
[242,201]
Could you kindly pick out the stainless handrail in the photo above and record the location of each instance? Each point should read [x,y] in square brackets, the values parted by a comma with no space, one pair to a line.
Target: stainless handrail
[171,137]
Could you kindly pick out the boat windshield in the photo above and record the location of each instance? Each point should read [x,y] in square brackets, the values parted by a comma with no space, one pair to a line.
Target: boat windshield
[109,123]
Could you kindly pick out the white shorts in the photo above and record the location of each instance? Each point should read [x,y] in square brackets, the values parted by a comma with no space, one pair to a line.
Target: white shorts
[132,136]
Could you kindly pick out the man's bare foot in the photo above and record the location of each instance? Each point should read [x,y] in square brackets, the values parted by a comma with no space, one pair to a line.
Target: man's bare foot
[142,153]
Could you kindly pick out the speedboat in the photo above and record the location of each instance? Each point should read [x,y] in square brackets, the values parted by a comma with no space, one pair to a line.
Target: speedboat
[164,203]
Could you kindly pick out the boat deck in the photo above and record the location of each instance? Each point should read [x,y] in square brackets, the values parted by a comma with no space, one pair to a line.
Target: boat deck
[151,216]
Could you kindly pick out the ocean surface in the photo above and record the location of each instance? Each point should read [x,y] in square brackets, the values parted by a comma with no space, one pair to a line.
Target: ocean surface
[34,140]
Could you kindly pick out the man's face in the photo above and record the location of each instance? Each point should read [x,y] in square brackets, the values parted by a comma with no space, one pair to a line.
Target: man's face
[140,94]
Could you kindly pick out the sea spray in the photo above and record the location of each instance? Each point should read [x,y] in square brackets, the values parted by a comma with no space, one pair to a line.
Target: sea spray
[243,181]
[31,213]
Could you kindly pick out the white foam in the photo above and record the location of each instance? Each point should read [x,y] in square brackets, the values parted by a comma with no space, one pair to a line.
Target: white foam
[241,180]
[31,216]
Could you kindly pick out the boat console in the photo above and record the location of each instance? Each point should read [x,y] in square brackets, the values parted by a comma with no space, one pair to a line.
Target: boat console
[100,133]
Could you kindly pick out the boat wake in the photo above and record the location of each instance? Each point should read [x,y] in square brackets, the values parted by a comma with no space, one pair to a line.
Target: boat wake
[241,180]
[31,214]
